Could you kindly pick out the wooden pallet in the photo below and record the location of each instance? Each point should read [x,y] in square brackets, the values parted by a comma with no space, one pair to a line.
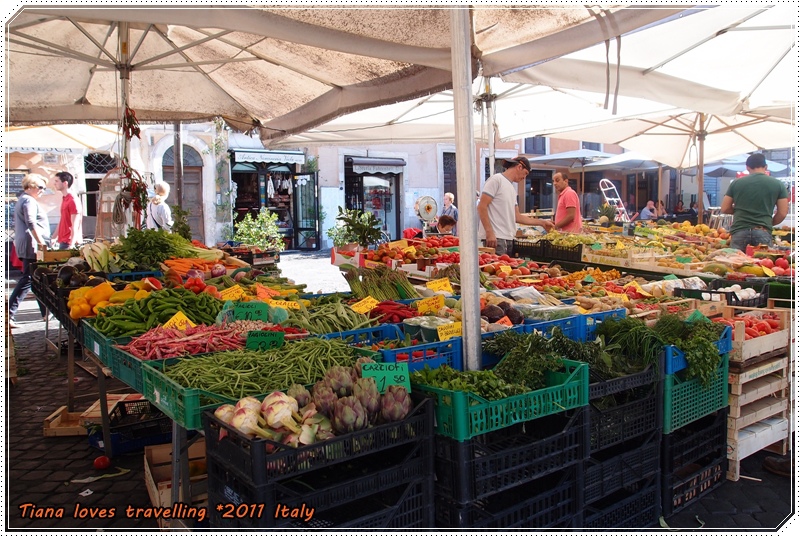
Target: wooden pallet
[758,416]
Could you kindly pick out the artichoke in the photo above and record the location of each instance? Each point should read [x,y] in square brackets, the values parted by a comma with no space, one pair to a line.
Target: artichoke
[324,400]
[349,416]
[340,379]
[300,393]
[395,403]
[362,360]
[366,391]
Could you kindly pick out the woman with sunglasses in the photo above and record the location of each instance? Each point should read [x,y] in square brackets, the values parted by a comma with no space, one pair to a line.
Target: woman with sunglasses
[31,231]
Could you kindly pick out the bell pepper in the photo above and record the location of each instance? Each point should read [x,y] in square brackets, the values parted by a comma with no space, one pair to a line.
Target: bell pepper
[140,294]
[99,293]
[121,296]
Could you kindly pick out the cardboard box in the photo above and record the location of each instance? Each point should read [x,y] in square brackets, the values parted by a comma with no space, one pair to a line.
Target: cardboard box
[158,474]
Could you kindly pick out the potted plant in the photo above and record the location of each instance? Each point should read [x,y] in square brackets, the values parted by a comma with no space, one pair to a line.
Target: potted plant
[359,227]
[261,231]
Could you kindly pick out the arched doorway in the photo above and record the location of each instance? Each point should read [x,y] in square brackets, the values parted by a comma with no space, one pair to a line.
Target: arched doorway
[192,186]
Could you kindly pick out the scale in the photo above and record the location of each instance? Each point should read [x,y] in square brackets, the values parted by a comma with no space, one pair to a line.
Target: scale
[426,208]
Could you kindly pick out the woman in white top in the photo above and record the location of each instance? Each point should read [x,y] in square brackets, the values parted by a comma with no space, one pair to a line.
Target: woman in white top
[159,215]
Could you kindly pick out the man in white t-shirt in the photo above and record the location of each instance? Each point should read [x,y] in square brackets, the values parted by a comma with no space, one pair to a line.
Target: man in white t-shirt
[498,209]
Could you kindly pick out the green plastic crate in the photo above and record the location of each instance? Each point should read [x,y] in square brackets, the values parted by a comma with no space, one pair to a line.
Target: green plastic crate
[97,343]
[464,415]
[686,400]
[183,405]
[126,367]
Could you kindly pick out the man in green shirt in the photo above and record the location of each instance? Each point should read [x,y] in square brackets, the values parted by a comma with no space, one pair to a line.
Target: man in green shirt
[752,200]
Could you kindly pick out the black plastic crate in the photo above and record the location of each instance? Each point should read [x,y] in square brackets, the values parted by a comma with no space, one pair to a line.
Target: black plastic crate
[403,505]
[730,297]
[694,461]
[529,248]
[618,417]
[493,462]
[651,374]
[613,469]
[134,425]
[325,488]
[636,506]
[264,462]
[553,501]
[571,254]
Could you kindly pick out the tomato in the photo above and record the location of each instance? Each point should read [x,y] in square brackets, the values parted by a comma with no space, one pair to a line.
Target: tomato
[101,463]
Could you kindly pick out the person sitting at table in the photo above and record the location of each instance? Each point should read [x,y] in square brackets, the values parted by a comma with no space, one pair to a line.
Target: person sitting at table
[649,211]
[444,226]
[661,209]
[693,208]
[679,208]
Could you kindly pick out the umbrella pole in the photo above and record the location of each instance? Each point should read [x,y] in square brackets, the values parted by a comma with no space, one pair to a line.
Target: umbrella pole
[465,176]
[490,121]
[701,137]
[659,185]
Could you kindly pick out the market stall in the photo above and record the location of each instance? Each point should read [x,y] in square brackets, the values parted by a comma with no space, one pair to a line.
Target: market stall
[660,348]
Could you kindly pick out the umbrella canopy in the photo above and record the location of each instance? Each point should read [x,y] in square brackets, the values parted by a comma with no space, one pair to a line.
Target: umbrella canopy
[731,167]
[516,109]
[571,159]
[278,68]
[630,160]
[745,53]
[84,137]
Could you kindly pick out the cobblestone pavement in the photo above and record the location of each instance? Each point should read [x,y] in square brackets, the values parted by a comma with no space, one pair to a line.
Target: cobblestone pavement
[39,468]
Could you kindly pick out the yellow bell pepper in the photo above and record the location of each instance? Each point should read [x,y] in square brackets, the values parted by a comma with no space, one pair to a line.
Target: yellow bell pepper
[100,305]
[119,297]
[99,293]
[140,294]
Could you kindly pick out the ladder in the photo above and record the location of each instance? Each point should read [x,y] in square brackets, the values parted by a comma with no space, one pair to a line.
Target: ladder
[612,198]
[717,220]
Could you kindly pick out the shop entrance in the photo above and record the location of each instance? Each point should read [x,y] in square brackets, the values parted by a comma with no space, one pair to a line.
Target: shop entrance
[192,191]
[373,185]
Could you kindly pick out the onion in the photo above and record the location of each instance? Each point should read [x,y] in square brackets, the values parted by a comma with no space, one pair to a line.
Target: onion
[218,270]
[194,273]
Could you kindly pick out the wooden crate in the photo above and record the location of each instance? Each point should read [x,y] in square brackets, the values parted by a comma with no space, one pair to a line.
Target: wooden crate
[158,475]
[745,349]
[63,423]
[771,434]
[48,256]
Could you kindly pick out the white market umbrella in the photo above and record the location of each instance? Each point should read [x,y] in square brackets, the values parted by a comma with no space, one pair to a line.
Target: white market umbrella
[572,159]
[691,138]
[731,167]
[82,137]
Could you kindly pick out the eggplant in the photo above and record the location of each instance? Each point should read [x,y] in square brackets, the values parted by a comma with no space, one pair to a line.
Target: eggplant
[41,273]
[78,279]
[64,275]
[94,281]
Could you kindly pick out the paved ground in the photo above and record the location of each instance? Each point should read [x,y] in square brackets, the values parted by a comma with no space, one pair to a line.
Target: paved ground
[39,469]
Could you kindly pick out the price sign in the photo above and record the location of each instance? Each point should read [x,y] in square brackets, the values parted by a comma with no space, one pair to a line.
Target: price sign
[450,330]
[251,311]
[620,246]
[265,293]
[402,243]
[364,306]
[588,278]
[285,304]
[264,340]
[697,316]
[430,304]
[670,277]
[410,250]
[505,268]
[505,321]
[442,284]
[682,259]
[232,293]
[179,321]
[621,296]
[768,271]
[596,246]
[529,280]
[386,374]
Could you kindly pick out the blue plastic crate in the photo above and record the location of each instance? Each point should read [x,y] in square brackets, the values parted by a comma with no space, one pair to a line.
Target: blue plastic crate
[590,321]
[445,353]
[132,276]
[490,360]
[367,335]
[570,326]
[675,360]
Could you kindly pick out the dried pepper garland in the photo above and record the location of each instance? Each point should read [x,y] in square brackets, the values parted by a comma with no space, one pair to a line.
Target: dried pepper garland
[130,125]
[136,187]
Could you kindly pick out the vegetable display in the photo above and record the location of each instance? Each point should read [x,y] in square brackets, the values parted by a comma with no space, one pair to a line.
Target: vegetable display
[159,343]
[328,319]
[381,283]
[485,384]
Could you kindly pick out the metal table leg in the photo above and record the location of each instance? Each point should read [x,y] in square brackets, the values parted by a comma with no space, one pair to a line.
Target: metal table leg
[71,373]
[101,385]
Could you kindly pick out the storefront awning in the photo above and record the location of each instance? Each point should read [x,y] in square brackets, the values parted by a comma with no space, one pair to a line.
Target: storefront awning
[376,164]
[281,157]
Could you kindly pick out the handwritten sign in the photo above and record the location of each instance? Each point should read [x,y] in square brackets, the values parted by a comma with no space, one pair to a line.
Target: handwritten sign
[620,246]
[596,246]
[767,271]
[430,304]
[683,259]
[505,268]
[505,321]
[638,288]
[402,243]
[264,340]
[588,278]
[529,280]
[265,293]
[621,296]
[410,250]
[285,304]
[449,330]
[364,306]
[442,284]
[386,374]
[232,293]
[251,311]
[179,321]
[670,277]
